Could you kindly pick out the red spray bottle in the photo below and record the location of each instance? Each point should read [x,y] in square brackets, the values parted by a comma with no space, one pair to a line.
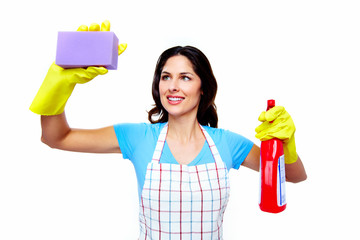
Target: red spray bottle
[272,174]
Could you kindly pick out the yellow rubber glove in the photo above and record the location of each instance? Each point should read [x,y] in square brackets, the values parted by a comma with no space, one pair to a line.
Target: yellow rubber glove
[105,26]
[277,123]
[59,82]
[58,86]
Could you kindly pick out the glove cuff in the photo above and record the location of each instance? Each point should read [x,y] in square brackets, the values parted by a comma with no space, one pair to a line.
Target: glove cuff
[51,97]
[290,153]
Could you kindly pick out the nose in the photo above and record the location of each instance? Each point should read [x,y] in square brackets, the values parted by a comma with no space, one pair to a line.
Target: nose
[173,85]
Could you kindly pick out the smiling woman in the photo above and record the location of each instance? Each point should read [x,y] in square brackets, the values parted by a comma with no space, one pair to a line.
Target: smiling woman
[195,65]
[180,88]
[182,160]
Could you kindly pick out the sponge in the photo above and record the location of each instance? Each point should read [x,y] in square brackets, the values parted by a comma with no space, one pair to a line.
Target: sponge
[84,49]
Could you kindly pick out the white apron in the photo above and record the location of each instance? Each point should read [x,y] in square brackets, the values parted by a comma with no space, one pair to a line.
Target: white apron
[183,202]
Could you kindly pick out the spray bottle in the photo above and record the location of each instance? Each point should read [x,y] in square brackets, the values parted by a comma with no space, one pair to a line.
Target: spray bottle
[272,174]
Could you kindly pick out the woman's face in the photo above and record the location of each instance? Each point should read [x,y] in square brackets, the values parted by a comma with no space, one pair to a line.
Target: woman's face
[179,87]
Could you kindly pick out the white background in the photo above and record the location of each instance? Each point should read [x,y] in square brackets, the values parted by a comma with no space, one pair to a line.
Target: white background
[305,54]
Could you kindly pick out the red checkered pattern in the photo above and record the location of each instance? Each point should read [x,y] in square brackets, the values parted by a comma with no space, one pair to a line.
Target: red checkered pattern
[183,202]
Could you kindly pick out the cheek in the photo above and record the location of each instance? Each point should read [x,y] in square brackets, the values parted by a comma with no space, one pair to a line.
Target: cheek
[162,91]
[162,88]
[195,90]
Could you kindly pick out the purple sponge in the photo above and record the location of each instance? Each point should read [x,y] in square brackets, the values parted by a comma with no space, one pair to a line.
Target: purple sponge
[83,49]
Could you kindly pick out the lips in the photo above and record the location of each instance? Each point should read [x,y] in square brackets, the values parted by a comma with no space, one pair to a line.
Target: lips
[175,99]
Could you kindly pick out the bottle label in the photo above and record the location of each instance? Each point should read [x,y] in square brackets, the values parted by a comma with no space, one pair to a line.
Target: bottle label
[281,196]
[260,181]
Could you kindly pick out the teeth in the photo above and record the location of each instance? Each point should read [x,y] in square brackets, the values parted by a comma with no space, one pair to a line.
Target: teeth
[175,99]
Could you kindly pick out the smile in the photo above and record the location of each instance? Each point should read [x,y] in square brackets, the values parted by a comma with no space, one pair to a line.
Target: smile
[175,99]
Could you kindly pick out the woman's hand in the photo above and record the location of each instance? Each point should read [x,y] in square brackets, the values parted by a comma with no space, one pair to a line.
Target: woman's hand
[277,123]
[105,26]
[59,82]
[58,86]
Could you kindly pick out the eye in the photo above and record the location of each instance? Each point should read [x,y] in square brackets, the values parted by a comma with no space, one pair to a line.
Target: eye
[165,77]
[186,78]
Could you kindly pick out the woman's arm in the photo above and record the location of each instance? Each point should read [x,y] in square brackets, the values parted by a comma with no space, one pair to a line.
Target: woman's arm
[295,172]
[56,133]
[50,102]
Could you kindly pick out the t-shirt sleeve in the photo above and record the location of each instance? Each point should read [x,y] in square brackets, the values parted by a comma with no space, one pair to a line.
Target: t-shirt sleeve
[239,147]
[128,136]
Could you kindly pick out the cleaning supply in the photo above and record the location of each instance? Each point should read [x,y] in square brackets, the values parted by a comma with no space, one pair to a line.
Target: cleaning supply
[89,46]
[83,49]
[277,123]
[272,174]
[59,83]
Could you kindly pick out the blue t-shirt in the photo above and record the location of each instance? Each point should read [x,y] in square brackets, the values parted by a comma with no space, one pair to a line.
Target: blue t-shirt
[137,142]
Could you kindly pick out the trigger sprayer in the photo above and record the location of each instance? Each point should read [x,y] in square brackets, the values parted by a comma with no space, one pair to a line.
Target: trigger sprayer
[272,174]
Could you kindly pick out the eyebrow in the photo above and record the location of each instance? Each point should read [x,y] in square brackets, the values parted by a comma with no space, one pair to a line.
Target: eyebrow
[182,73]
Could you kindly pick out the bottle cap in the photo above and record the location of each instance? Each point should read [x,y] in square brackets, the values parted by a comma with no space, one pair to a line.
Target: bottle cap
[270,103]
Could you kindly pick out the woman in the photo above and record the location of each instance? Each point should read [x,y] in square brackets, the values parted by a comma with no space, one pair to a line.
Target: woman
[181,158]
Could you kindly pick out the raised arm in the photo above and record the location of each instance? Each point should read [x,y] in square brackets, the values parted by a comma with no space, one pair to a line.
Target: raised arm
[56,133]
[50,102]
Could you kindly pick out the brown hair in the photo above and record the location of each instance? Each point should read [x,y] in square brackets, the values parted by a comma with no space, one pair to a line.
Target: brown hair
[207,114]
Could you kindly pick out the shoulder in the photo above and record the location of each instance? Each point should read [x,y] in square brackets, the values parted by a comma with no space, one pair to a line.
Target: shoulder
[144,128]
[232,146]
[223,134]
[214,131]
[134,136]
[135,132]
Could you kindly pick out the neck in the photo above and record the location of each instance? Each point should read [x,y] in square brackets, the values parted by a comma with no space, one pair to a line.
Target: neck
[184,130]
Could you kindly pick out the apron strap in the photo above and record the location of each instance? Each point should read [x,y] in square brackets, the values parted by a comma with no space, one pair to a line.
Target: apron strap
[212,146]
[162,138]
[160,144]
